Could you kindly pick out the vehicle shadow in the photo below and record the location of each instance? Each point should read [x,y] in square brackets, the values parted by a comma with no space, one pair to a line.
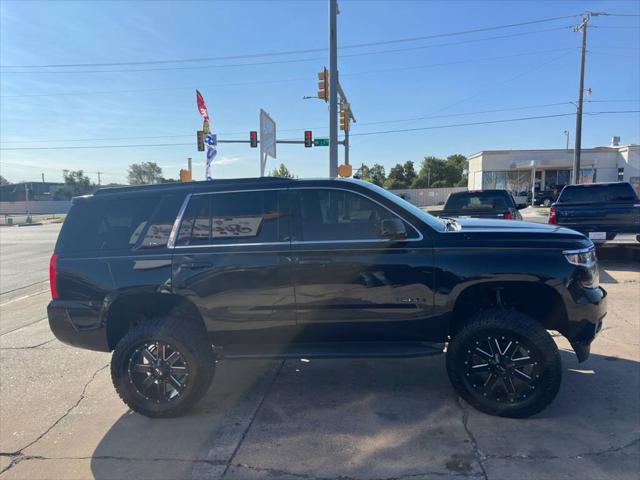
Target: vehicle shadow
[370,418]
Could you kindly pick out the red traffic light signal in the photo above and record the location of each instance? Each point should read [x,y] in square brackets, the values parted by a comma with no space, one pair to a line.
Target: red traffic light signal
[308,139]
[253,138]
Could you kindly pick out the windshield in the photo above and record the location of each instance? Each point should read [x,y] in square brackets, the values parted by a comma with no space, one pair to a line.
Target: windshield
[430,220]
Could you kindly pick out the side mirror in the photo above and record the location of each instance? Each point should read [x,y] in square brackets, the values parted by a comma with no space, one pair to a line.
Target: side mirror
[393,229]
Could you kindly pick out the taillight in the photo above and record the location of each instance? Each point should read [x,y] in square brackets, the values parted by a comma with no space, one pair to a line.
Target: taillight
[553,219]
[507,215]
[53,273]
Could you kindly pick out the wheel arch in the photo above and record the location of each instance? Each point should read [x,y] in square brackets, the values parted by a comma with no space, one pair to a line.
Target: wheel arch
[127,311]
[539,300]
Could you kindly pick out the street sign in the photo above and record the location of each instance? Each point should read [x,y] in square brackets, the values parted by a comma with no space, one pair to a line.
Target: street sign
[267,140]
[267,134]
[320,142]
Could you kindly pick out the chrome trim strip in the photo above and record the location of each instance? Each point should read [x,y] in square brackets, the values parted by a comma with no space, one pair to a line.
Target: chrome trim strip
[176,224]
[578,250]
[178,221]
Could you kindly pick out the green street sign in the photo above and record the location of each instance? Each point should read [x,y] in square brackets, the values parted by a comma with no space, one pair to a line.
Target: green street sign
[320,142]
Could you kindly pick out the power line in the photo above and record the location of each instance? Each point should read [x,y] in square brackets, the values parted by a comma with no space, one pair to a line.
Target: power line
[487,122]
[298,60]
[379,122]
[295,52]
[263,82]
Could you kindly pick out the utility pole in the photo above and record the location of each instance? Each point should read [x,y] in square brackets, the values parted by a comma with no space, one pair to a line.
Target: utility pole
[578,142]
[566,134]
[333,88]
[98,177]
[42,177]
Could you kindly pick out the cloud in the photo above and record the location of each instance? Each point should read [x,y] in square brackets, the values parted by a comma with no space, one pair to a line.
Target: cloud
[226,159]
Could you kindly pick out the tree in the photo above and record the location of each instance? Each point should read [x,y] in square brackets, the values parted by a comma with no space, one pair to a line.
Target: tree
[437,173]
[375,174]
[144,173]
[282,172]
[4,181]
[401,176]
[76,183]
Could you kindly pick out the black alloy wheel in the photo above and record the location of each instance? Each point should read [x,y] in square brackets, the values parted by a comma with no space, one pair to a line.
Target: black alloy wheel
[504,363]
[163,366]
[158,372]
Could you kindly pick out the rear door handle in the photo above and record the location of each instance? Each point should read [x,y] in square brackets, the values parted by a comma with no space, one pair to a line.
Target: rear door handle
[196,265]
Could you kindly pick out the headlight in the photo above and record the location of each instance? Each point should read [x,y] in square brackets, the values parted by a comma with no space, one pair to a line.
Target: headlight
[585,257]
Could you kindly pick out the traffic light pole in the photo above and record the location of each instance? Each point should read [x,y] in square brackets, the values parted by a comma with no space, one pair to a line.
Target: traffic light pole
[346,147]
[333,89]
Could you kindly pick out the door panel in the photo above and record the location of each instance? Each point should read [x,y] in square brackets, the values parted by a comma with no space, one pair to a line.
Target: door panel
[232,259]
[352,284]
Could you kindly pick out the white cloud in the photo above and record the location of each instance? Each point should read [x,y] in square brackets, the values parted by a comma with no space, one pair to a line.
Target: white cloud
[226,159]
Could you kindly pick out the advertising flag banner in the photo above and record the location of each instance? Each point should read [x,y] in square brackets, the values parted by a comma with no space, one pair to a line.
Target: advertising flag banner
[202,107]
[211,141]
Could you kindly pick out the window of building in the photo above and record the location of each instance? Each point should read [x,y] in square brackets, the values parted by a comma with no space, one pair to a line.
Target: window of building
[331,215]
[556,179]
[517,182]
[231,218]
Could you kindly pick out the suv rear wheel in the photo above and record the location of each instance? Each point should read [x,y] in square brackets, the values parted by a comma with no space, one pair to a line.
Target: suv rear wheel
[504,363]
[162,367]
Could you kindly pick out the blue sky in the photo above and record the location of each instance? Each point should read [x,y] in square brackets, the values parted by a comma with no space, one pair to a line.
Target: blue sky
[447,78]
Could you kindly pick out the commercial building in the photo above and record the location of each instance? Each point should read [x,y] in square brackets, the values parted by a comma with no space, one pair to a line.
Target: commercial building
[522,171]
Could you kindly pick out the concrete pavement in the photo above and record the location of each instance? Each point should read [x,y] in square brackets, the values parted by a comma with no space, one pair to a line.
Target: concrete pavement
[317,419]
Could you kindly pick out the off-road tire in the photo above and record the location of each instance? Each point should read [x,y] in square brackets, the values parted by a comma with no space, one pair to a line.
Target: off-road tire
[186,337]
[526,332]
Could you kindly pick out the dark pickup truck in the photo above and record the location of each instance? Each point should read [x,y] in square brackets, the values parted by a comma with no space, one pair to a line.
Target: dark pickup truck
[482,204]
[173,277]
[601,211]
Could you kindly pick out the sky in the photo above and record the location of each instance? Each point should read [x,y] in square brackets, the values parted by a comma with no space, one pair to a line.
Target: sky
[432,87]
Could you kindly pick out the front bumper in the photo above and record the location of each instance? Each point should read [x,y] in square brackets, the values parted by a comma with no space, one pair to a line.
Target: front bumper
[78,324]
[585,312]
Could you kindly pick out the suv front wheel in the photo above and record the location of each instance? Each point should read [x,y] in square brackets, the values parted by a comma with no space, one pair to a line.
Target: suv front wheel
[505,364]
[162,367]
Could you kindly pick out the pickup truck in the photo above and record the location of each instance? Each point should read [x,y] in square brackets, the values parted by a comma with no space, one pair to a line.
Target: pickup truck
[482,204]
[601,211]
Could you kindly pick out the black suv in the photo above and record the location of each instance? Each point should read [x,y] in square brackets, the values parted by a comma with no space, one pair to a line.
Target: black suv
[173,277]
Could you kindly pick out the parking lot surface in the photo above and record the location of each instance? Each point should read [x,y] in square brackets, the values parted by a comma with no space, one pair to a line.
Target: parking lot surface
[304,419]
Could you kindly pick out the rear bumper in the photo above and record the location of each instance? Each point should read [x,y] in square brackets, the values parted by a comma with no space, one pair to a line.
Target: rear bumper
[78,324]
[585,314]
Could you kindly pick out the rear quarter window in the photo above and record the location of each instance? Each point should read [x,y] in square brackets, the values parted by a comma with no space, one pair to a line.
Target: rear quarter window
[103,225]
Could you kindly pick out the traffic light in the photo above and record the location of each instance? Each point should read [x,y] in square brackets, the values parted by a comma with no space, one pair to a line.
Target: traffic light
[253,138]
[200,140]
[344,118]
[308,139]
[323,84]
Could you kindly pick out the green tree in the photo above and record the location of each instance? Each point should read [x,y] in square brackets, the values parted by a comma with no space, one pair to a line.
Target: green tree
[282,172]
[4,181]
[144,173]
[401,176]
[76,183]
[438,173]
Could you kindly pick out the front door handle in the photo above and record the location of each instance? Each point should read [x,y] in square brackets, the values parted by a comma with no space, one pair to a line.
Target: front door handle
[196,265]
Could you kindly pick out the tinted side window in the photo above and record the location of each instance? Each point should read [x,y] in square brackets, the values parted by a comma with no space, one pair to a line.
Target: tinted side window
[230,218]
[104,225]
[620,192]
[327,215]
[161,223]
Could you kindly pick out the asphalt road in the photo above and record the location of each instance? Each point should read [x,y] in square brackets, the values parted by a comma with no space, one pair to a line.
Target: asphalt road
[320,419]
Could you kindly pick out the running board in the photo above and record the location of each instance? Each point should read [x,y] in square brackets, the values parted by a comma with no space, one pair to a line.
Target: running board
[332,350]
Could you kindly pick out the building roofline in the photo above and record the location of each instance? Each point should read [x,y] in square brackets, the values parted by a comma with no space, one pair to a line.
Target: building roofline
[557,150]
